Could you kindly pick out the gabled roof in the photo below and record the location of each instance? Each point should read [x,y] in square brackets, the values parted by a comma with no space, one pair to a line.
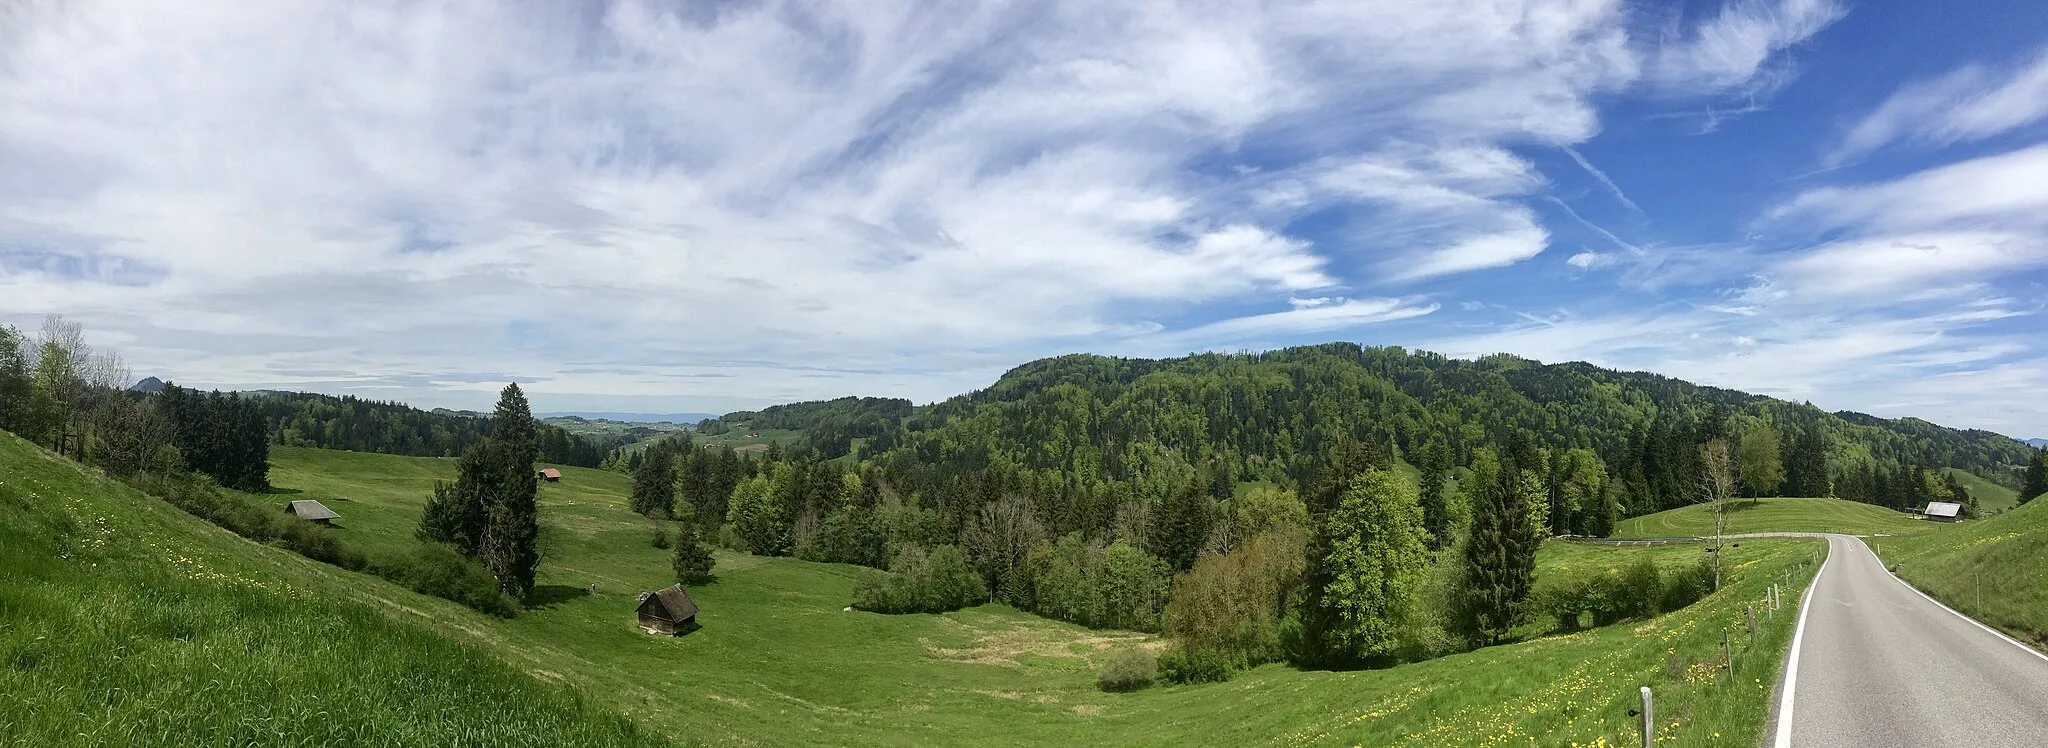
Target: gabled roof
[1944,509]
[550,473]
[672,604]
[310,509]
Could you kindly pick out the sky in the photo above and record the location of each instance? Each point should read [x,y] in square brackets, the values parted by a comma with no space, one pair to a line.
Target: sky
[708,206]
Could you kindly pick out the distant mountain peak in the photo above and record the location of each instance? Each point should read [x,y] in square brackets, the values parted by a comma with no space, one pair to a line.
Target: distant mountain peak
[148,384]
[2036,443]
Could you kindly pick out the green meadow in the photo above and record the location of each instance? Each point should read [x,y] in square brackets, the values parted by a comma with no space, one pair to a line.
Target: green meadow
[1774,515]
[778,662]
[1994,570]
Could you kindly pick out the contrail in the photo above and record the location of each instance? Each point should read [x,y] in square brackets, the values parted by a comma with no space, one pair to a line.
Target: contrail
[1602,176]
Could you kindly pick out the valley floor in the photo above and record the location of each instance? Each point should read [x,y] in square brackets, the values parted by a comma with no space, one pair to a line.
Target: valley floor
[780,661]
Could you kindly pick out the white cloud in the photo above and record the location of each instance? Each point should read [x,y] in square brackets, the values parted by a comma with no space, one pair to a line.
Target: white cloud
[2007,189]
[421,199]
[1971,103]
[1323,315]
[1732,49]
[1878,270]
[1590,260]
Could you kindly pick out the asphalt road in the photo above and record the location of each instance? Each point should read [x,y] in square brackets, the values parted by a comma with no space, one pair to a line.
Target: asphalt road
[1876,663]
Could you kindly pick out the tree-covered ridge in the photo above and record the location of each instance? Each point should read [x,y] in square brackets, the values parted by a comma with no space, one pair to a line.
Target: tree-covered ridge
[306,419]
[1271,415]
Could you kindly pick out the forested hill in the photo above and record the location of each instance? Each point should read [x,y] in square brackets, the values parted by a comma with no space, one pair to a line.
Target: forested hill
[315,420]
[1275,415]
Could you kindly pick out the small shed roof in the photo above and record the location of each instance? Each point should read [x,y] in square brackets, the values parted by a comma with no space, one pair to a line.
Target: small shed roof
[672,604]
[310,509]
[551,473]
[1944,509]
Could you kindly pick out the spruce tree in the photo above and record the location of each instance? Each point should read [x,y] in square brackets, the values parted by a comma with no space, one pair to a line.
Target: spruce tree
[2036,482]
[692,560]
[654,483]
[1436,511]
[511,511]
[1500,559]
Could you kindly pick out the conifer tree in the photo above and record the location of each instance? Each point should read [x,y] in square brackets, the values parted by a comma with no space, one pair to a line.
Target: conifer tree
[654,483]
[1180,525]
[1500,559]
[511,510]
[2036,482]
[693,561]
[1436,514]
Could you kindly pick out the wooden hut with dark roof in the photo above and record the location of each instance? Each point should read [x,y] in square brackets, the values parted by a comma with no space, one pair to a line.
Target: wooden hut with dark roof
[312,511]
[669,611]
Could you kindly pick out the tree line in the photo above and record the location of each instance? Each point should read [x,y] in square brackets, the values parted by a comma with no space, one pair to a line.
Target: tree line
[306,419]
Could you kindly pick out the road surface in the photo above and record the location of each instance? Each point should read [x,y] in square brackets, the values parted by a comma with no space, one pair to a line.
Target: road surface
[1876,663]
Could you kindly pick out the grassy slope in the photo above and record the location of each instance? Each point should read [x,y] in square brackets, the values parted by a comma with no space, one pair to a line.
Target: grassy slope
[779,662]
[126,621]
[1774,515]
[1990,496]
[2006,554]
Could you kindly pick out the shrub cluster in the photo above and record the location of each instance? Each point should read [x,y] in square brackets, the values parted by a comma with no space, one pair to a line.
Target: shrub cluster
[1127,669]
[1183,664]
[434,569]
[918,582]
[1640,590]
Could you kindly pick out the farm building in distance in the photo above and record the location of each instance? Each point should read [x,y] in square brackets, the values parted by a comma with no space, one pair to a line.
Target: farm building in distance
[312,511]
[669,611]
[1943,511]
[550,475]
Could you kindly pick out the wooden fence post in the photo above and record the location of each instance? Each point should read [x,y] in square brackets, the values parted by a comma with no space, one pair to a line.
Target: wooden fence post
[1649,721]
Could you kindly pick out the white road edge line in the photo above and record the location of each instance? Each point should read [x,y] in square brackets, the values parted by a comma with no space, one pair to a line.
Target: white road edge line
[1792,665]
[1974,622]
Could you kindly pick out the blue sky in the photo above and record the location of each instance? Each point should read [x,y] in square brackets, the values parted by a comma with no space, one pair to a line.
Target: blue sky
[658,207]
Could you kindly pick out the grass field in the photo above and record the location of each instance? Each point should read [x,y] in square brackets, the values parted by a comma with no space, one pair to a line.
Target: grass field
[1774,515]
[1994,570]
[124,621]
[1991,497]
[779,662]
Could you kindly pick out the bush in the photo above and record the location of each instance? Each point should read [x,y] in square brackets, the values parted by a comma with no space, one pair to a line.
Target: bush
[1127,670]
[1688,586]
[1183,664]
[661,539]
[918,582]
[692,561]
[438,569]
[1568,601]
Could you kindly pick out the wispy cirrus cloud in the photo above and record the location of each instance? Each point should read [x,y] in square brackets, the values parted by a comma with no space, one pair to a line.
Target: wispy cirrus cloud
[1970,103]
[625,199]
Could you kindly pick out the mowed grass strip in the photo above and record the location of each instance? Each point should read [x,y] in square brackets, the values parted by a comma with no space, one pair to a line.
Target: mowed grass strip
[1774,515]
[124,621]
[1994,570]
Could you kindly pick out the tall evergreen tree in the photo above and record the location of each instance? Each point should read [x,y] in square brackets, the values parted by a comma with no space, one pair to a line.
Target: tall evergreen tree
[654,483]
[1436,510]
[2036,482]
[511,513]
[1180,525]
[1500,559]
[692,561]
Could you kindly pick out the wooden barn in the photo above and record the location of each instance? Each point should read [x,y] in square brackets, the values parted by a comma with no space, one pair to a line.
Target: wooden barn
[312,511]
[670,611]
[551,475]
[1943,511]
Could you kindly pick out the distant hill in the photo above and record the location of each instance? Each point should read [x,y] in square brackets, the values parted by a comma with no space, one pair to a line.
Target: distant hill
[598,415]
[1276,416]
[148,384]
[2036,443]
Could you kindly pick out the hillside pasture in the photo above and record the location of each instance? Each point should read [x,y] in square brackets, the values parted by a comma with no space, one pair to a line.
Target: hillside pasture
[1774,515]
[1994,570]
